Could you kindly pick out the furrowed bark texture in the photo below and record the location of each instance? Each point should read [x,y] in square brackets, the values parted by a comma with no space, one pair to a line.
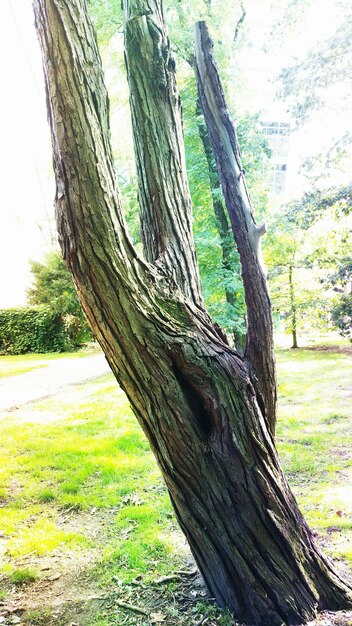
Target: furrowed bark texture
[260,346]
[191,393]
[165,204]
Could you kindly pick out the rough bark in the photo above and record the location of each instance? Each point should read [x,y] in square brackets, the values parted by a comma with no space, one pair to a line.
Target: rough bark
[293,308]
[222,221]
[260,346]
[164,199]
[192,394]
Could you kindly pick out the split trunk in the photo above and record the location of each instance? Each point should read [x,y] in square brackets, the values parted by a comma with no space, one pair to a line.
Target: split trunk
[192,394]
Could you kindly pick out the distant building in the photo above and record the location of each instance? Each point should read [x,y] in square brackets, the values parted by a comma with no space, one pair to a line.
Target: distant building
[278,138]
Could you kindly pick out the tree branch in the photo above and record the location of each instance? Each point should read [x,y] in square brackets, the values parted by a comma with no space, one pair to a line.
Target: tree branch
[240,22]
[165,204]
[259,348]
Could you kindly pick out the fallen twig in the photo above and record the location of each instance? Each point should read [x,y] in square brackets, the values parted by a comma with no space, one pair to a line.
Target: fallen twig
[186,572]
[166,579]
[131,607]
[202,620]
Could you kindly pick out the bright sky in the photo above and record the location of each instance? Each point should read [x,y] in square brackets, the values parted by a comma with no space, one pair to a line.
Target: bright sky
[27,186]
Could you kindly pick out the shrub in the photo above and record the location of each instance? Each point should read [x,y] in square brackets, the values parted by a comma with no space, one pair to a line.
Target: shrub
[53,288]
[32,329]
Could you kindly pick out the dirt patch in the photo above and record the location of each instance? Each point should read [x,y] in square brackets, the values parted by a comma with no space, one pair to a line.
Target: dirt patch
[347,390]
[341,451]
[327,348]
[341,618]
[68,592]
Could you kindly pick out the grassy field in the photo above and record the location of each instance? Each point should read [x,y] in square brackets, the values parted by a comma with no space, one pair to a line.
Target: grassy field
[86,524]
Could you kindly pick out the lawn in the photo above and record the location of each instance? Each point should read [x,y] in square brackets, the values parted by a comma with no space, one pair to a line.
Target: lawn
[86,524]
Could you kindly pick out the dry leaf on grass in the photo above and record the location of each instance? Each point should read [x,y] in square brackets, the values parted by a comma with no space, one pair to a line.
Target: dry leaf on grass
[157,618]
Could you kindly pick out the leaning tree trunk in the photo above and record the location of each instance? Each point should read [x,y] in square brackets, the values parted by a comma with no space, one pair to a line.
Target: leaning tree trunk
[228,249]
[192,395]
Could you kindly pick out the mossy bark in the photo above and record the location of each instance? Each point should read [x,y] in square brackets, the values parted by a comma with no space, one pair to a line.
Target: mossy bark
[193,395]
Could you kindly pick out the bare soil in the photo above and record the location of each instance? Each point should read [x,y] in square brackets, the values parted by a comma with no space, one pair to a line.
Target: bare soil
[68,591]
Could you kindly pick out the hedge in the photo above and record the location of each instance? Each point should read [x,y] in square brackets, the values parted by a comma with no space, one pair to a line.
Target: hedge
[32,329]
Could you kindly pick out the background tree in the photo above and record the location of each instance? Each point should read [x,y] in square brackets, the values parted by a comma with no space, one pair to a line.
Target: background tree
[320,212]
[342,315]
[299,300]
[306,88]
[53,287]
[196,399]
[329,63]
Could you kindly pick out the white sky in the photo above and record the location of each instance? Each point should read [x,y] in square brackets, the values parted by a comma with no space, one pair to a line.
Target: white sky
[27,186]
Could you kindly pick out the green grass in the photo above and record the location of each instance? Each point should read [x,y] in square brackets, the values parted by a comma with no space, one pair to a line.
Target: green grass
[90,455]
[314,433]
[22,576]
[38,617]
[95,456]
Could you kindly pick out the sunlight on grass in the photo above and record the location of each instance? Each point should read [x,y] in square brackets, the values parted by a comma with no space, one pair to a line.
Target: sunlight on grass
[41,537]
[95,456]
[84,451]
[314,439]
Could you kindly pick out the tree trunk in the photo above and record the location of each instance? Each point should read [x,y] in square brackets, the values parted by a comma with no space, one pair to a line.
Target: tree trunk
[191,393]
[293,308]
[260,346]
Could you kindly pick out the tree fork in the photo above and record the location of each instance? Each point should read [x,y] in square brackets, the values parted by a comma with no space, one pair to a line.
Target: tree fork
[191,393]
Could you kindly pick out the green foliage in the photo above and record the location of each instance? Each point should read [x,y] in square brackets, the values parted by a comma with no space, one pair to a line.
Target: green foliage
[343,275]
[221,281]
[335,160]
[342,311]
[34,329]
[291,16]
[296,291]
[54,288]
[107,18]
[342,316]
[298,240]
[321,82]
[217,280]
[314,204]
